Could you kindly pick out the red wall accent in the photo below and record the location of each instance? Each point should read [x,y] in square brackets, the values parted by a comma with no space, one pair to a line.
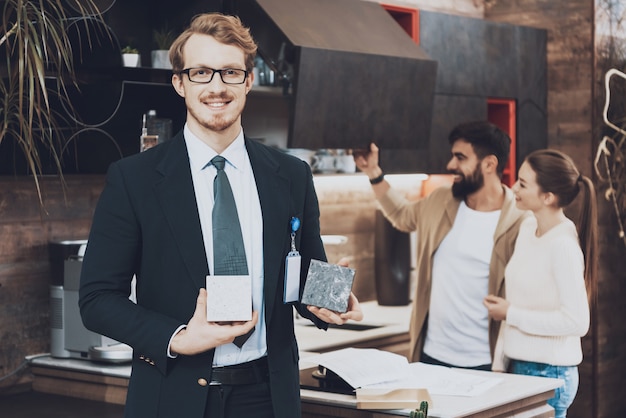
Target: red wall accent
[501,112]
[407,18]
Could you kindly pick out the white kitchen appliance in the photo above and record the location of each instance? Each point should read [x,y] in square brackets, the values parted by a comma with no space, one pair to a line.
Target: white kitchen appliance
[69,337]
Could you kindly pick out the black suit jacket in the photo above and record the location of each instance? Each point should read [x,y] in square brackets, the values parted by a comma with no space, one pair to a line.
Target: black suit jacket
[146,224]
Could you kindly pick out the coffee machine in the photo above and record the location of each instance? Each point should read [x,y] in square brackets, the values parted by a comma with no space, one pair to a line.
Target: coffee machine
[69,337]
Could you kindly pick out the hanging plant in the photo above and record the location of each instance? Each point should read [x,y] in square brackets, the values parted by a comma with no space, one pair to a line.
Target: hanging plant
[35,47]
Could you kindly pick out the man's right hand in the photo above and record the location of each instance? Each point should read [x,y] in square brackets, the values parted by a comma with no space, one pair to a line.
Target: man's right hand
[201,336]
[368,162]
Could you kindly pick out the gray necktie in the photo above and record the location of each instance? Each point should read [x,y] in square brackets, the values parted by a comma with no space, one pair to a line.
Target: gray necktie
[229,253]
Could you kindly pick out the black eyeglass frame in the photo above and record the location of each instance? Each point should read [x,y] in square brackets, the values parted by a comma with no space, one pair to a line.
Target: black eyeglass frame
[187,70]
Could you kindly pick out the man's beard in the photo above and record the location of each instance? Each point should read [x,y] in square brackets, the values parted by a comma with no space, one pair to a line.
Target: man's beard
[215,123]
[468,185]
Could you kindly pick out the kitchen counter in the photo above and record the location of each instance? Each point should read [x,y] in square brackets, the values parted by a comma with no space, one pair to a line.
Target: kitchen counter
[384,327]
[519,396]
[516,396]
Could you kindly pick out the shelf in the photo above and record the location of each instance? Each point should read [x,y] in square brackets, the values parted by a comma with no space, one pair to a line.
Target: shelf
[146,75]
[270,91]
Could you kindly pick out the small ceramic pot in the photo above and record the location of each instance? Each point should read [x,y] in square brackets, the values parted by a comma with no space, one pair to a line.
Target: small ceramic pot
[161,59]
[131,60]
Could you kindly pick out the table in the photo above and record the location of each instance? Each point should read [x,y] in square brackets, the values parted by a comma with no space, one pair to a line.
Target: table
[517,396]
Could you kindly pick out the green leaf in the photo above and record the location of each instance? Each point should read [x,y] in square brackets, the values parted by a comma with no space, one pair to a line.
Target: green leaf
[36,47]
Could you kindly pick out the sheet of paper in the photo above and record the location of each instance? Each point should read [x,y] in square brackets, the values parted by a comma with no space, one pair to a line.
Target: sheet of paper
[360,367]
[376,369]
[440,380]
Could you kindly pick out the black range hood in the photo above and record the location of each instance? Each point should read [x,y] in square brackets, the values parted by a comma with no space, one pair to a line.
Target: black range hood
[355,76]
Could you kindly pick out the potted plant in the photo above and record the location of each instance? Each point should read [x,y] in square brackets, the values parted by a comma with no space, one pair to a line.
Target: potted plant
[163,39]
[35,48]
[130,56]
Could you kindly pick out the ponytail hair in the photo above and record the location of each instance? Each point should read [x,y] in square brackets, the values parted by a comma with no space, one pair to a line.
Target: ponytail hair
[556,173]
[588,235]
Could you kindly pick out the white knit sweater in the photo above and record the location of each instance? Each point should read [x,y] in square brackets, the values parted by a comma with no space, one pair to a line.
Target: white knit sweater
[549,311]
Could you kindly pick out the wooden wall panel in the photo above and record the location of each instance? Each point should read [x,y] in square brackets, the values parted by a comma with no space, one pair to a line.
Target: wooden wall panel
[610,342]
[25,230]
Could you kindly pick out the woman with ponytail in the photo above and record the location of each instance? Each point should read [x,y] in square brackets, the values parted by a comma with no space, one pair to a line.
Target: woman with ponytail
[550,279]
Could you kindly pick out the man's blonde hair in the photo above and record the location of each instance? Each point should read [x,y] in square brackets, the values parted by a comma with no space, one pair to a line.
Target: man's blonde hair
[225,29]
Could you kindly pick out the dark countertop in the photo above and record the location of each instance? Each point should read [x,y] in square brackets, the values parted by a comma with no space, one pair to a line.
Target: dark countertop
[42,405]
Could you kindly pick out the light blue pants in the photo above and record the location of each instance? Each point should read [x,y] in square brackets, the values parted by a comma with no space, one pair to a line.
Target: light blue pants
[563,396]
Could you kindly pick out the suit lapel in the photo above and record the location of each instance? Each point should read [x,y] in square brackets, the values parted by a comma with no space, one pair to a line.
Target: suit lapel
[275,207]
[176,195]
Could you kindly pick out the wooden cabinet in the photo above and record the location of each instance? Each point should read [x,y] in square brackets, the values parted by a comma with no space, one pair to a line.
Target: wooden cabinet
[354,73]
[480,62]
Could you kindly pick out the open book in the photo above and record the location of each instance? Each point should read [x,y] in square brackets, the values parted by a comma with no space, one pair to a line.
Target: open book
[359,370]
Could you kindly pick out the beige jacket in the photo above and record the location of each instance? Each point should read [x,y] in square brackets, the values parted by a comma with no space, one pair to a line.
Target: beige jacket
[432,217]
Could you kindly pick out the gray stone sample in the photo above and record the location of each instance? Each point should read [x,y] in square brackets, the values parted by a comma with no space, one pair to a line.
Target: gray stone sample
[328,286]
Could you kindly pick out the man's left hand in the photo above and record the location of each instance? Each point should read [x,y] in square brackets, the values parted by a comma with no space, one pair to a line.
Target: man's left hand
[353,312]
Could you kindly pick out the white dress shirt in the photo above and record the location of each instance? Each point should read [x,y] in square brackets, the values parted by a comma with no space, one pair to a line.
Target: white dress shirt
[241,178]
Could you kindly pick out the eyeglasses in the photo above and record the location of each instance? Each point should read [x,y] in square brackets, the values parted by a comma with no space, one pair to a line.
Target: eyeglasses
[205,75]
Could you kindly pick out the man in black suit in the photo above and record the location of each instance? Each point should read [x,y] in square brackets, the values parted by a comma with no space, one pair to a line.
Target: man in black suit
[153,222]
